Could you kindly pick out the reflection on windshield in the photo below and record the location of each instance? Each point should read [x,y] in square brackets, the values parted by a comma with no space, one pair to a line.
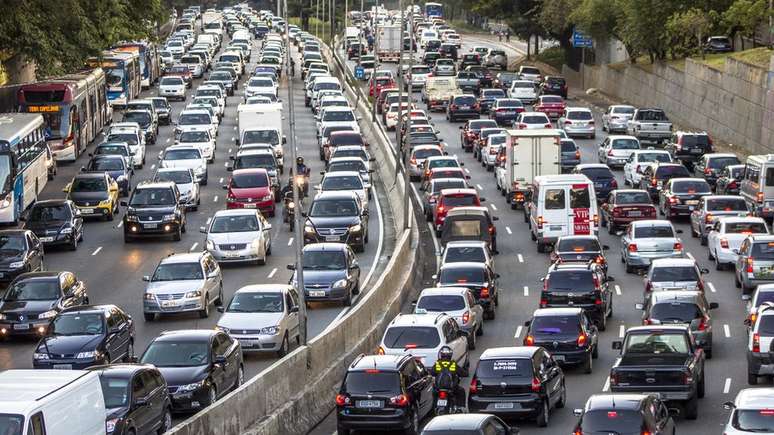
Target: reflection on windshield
[187,154]
[333,208]
[129,138]
[52,213]
[342,183]
[256,303]
[172,354]
[88,185]
[150,197]
[324,260]
[35,290]
[177,272]
[78,324]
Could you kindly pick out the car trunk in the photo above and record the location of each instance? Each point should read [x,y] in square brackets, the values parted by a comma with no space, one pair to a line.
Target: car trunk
[655,244]
[635,211]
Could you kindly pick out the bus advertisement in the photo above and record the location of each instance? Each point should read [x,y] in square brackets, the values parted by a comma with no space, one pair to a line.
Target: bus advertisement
[149,60]
[123,76]
[23,172]
[433,10]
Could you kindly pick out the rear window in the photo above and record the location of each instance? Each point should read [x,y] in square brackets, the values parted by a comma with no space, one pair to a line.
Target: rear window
[509,103]
[691,187]
[674,274]
[569,146]
[579,114]
[766,325]
[372,381]
[753,420]
[613,422]
[484,123]
[448,184]
[571,281]
[694,139]
[580,196]
[746,227]
[534,119]
[441,303]
[645,232]
[554,199]
[597,173]
[653,115]
[626,144]
[523,85]
[722,162]
[763,251]
[578,245]
[528,70]
[654,157]
[399,337]
[465,100]
[675,311]
[492,93]
[456,254]
[501,368]
[672,171]
[551,99]
[726,204]
[555,325]
[632,198]
[425,153]
[458,275]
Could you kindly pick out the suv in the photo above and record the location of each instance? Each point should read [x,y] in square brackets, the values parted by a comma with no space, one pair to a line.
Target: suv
[337,216]
[384,392]
[423,335]
[751,411]
[331,273]
[682,306]
[619,413]
[183,283]
[754,263]
[567,333]
[479,278]
[689,146]
[579,285]
[759,344]
[462,107]
[154,209]
[656,176]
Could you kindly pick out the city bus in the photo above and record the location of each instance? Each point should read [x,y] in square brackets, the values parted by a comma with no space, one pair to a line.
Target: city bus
[148,55]
[74,107]
[23,173]
[433,10]
[123,75]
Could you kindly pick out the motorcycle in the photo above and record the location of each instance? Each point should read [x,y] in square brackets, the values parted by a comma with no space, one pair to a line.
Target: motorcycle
[288,212]
[445,403]
[302,182]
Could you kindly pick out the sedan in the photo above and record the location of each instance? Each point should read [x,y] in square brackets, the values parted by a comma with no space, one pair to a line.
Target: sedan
[616,150]
[505,110]
[602,177]
[186,183]
[185,156]
[238,236]
[551,105]
[713,207]
[56,222]
[624,206]
[681,196]
[648,240]
[22,252]
[726,237]
[172,87]
[578,121]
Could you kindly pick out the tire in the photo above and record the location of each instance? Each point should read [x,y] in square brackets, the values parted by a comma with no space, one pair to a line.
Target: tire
[752,379]
[595,352]
[737,283]
[629,269]
[149,317]
[109,216]
[219,300]
[692,408]
[541,248]
[284,347]
[710,257]
[588,365]
[212,396]
[563,399]
[73,244]
[543,417]
[709,355]
[472,342]
[480,330]
[205,312]
[166,422]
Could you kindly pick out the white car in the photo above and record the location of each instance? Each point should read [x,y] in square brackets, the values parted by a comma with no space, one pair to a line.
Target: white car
[491,151]
[532,121]
[185,156]
[419,75]
[345,180]
[200,138]
[131,133]
[455,39]
[616,150]
[212,91]
[186,183]
[727,236]
[172,87]
[238,236]
[263,318]
[617,117]
[524,91]
[457,302]
[260,86]
[195,119]
[639,160]
[209,101]
[530,73]
[752,411]
[337,116]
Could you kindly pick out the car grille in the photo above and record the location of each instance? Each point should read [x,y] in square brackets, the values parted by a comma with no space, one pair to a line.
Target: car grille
[93,203]
[172,390]
[150,217]
[233,247]
[246,331]
[332,231]
[61,355]
[316,286]
[169,297]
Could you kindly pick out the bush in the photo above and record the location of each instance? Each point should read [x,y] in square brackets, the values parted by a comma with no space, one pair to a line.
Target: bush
[553,56]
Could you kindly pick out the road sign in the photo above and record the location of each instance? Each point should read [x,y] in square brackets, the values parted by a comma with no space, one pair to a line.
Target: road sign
[579,40]
[359,72]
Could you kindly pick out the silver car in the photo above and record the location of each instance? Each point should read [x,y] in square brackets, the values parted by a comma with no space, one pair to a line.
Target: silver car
[713,207]
[263,318]
[186,183]
[183,283]
[674,274]
[462,251]
[616,150]
[754,263]
[419,154]
[682,307]
[647,240]
[238,235]
[456,302]
[617,117]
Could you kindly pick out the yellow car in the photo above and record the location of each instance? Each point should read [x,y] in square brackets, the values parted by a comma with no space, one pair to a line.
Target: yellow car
[95,194]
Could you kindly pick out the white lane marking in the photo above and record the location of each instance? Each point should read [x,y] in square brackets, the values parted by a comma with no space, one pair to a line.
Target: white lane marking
[225,164]
[120,224]
[96,251]
[235,127]
[467,171]
[518,332]
[621,331]
[233,139]
[727,330]
[379,246]
[711,287]
[271,274]
[215,199]
[508,230]
[229,150]
[153,166]
[194,246]
[618,290]
[493,207]
[607,384]
[478,186]
[727,386]
[221,180]
[168,139]
[520,257]
[526,291]
[691,256]
[290,242]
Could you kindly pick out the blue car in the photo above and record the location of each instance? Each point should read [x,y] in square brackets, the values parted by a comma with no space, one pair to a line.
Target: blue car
[602,177]
[487,98]
[115,166]
[505,110]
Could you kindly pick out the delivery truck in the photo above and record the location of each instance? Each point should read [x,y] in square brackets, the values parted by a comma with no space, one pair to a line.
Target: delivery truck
[526,155]
[388,49]
[262,124]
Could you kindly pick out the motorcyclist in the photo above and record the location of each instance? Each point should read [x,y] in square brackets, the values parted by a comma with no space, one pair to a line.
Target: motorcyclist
[447,377]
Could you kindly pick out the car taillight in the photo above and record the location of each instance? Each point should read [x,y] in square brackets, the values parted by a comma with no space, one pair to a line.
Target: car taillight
[703,324]
[399,400]
[707,171]
[485,292]
[614,184]
[453,107]
[595,282]
[536,387]
[632,247]
[582,340]
[522,126]
[380,351]
[543,303]
[442,394]
[600,259]
[577,432]
[610,153]
[465,317]
[441,209]
[708,218]
[687,378]
[613,379]
[749,262]
[653,182]
[646,432]
[756,343]
[732,185]
[724,243]
[753,316]
[678,246]
[700,285]
[759,197]
[342,400]
[473,386]
[646,321]
[529,340]
[577,155]
[547,125]
[540,222]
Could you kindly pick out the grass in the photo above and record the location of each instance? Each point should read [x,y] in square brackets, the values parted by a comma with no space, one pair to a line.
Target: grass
[553,56]
[759,57]
[322,27]
[463,26]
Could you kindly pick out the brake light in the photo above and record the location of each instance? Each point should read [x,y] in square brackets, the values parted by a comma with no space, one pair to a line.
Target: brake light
[577,432]
[547,125]
[400,400]
[522,126]
[380,351]
[342,400]
[595,281]
[540,222]
[465,317]
[767,411]
[732,185]
[567,122]
[673,200]
[646,432]
[707,171]
[646,322]
[632,247]
[473,386]
[610,153]
[529,340]
[613,379]
[708,219]
[600,259]
[543,303]
[442,394]
[756,343]
[753,316]
[703,324]
[687,378]
[577,154]
[749,265]
[485,292]
[653,182]
[453,107]
[441,209]
[582,340]
[678,246]
[536,385]
[759,197]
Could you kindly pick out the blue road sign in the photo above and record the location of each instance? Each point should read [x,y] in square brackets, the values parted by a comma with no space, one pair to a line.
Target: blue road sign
[580,40]
[359,72]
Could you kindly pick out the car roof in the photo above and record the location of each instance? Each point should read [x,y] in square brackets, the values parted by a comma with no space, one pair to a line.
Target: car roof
[755,398]
[336,194]
[264,288]
[120,370]
[591,166]
[459,191]
[155,185]
[466,244]
[51,202]
[549,312]
[236,212]
[418,320]
[508,352]
[182,257]
[186,335]
[675,295]
[434,291]
[672,262]
[762,238]
[43,275]
[377,362]
[652,222]
[326,246]
[103,309]
[455,422]
[464,265]
[615,401]
[339,174]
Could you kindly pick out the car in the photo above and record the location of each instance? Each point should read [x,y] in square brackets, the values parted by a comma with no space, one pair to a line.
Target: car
[531,73]
[639,160]
[55,222]
[602,177]
[754,261]
[579,249]
[417,158]
[464,106]
[470,59]
[532,121]
[552,105]
[579,285]
[689,147]
[163,109]
[115,166]
[673,274]
[491,153]
[433,187]
[479,278]
[263,318]
[200,366]
[524,91]
[154,209]
[32,299]
[623,206]
[712,164]
[505,110]
[331,273]
[186,184]
[487,97]
[681,196]
[136,399]
[116,149]
[345,181]
[759,338]
[681,306]
[750,412]
[554,85]
[567,333]
[571,155]
[654,177]
[22,252]
[719,44]
[468,424]
[396,390]
[337,216]
[250,189]
[147,120]
[444,67]
[423,335]
[199,138]
[469,132]
[188,157]
[726,236]
[729,179]
[237,236]
[448,199]
[517,382]
[622,413]
[457,302]
[255,158]
[616,118]
[647,240]
[713,207]
[82,336]
[95,194]
[173,87]
[193,119]
[615,150]
[578,121]
[344,142]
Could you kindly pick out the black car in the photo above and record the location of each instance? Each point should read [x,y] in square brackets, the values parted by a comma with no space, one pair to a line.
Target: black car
[487,98]
[163,109]
[624,414]
[554,85]
[680,196]
[384,392]
[655,177]
[580,249]
[729,180]
[470,59]
[154,209]
[710,166]
[115,166]
[331,273]
[448,51]
[579,285]
[34,298]
[688,147]
[515,382]
[199,365]
[136,399]
[602,177]
[84,336]
[506,110]
[430,57]
[468,424]
[337,216]
[56,222]
[148,125]
[479,278]
[20,251]
[503,79]
[571,156]
[719,44]
[462,107]
[565,332]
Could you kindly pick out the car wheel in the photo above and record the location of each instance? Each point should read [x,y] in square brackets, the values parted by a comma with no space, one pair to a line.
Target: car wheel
[737,283]
[542,418]
[74,244]
[414,428]
[149,317]
[611,228]
[472,342]
[205,312]
[752,379]
[541,247]
[710,257]
[348,299]
[166,422]
[129,352]
[692,408]
[240,377]
[629,269]
[219,300]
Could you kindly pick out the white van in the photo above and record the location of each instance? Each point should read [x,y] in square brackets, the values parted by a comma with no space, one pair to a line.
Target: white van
[51,402]
[757,187]
[562,205]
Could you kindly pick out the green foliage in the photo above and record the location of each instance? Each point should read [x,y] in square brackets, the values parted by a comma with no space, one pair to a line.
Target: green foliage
[686,31]
[553,56]
[744,16]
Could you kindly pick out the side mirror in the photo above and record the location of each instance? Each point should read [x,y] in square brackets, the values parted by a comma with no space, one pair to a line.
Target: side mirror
[714,305]
[617,345]
[605,247]
[679,231]
[495,218]
[527,322]
[146,278]
[578,412]
[140,402]
[221,309]
[291,267]
[728,405]
[83,168]
[124,204]
[639,306]
[203,230]
[229,168]
[610,279]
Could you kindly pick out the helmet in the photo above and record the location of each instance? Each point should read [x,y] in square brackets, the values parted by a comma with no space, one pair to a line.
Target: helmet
[445,354]
[299,160]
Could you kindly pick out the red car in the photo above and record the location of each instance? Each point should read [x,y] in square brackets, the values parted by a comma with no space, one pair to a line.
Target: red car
[551,105]
[341,138]
[449,199]
[250,188]
[180,71]
[469,132]
[626,206]
[379,83]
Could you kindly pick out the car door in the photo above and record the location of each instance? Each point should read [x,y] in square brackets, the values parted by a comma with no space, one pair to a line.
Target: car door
[34,252]
[229,348]
[210,278]
[476,309]
[155,398]
[697,216]
[115,343]
[141,414]
[551,375]
[419,385]
[219,371]
[456,341]
[77,221]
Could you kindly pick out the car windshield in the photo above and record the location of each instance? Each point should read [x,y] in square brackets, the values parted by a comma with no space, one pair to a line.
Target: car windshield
[454,183]
[324,260]
[255,161]
[654,157]
[632,198]
[746,227]
[457,254]
[171,81]
[221,76]
[441,303]
[333,208]
[342,183]
[112,150]
[597,173]
[177,177]
[176,354]
[530,70]
[152,197]
[505,368]
[753,420]
[656,343]
[620,421]
[465,100]
[47,213]
[625,144]
[420,70]
[129,138]
[623,110]
[115,164]
[78,324]
[372,381]
[509,103]
[183,154]
[234,224]
[260,83]
[347,165]
[159,103]
[114,390]
[653,231]
[208,93]
[675,311]
[555,325]
[261,136]
[401,337]
[338,115]
[699,186]
[89,185]
[194,136]
[177,272]
[726,204]
[33,290]
[763,251]
[578,245]
[246,181]
[246,302]
[722,162]
[570,281]
[461,275]
[652,115]
[142,118]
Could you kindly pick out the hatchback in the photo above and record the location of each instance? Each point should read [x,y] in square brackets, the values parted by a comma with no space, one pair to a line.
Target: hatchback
[681,307]
[456,302]
[567,333]
[625,414]
[681,196]
[578,121]
[532,121]
[711,208]
[726,237]
[754,263]
[423,335]
[579,285]
[674,274]
[250,189]
[616,150]
[479,278]
[624,206]
[55,222]
[331,273]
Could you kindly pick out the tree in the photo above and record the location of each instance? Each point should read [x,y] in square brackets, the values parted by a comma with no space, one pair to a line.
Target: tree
[554,17]
[745,16]
[686,28]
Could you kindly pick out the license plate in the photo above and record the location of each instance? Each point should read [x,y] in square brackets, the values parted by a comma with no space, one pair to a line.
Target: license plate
[150,226]
[507,405]
[62,366]
[696,151]
[555,227]
[87,211]
[168,304]
[559,358]
[369,404]
[441,402]
[635,213]
[248,343]
[317,294]
[46,239]
[464,107]
[598,185]
[21,326]
[692,201]
[249,206]
[331,238]
[232,254]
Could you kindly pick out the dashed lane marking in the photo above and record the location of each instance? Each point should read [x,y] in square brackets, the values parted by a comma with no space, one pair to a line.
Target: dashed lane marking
[526,291]
[508,230]
[120,224]
[607,384]
[494,207]
[467,171]
[221,180]
[215,199]
[96,251]
[478,186]
[727,330]
[290,242]
[618,290]
[711,287]
[168,139]
[621,331]
[271,274]
[727,386]
[194,246]
[518,332]
[153,166]
[520,257]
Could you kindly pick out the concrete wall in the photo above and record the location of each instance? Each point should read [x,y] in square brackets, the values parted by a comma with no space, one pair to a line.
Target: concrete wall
[734,105]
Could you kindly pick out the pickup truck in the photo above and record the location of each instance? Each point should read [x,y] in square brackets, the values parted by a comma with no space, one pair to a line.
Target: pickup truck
[468,82]
[437,91]
[650,125]
[660,359]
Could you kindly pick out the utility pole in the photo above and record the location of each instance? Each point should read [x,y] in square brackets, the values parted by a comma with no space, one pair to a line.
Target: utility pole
[375,17]
[317,19]
[333,22]
[299,224]
[398,135]
[406,178]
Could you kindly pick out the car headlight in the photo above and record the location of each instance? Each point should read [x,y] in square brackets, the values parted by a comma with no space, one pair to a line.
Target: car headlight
[210,245]
[270,330]
[105,202]
[3,316]
[193,294]
[47,315]
[16,264]
[67,230]
[149,297]
[132,218]
[39,355]
[308,229]
[355,228]
[121,178]
[191,387]
[199,170]
[169,217]
[110,425]
[223,329]
[291,205]
[89,354]
[340,283]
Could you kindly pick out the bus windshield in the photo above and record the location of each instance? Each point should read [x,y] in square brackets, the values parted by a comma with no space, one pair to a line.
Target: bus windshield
[114,78]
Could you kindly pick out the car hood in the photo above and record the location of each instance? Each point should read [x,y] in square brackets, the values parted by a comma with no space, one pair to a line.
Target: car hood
[27,307]
[334,222]
[187,164]
[64,344]
[42,227]
[326,277]
[185,189]
[165,287]
[88,196]
[6,260]
[251,192]
[239,237]
[177,376]
[249,320]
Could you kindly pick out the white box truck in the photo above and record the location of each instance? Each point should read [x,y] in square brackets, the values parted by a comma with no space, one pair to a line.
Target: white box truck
[51,402]
[389,44]
[526,155]
[262,123]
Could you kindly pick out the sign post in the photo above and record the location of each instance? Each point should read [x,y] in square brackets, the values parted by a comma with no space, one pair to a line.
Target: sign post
[580,40]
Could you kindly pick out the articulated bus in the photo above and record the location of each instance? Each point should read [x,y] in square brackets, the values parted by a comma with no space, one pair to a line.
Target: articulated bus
[23,173]
[123,75]
[74,107]
[150,64]
[433,10]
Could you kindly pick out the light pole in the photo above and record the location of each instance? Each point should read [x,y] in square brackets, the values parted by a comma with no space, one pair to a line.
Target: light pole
[376,55]
[317,19]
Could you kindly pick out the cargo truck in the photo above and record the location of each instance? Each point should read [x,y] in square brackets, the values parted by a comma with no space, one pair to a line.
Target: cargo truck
[526,154]
[262,124]
[388,49]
